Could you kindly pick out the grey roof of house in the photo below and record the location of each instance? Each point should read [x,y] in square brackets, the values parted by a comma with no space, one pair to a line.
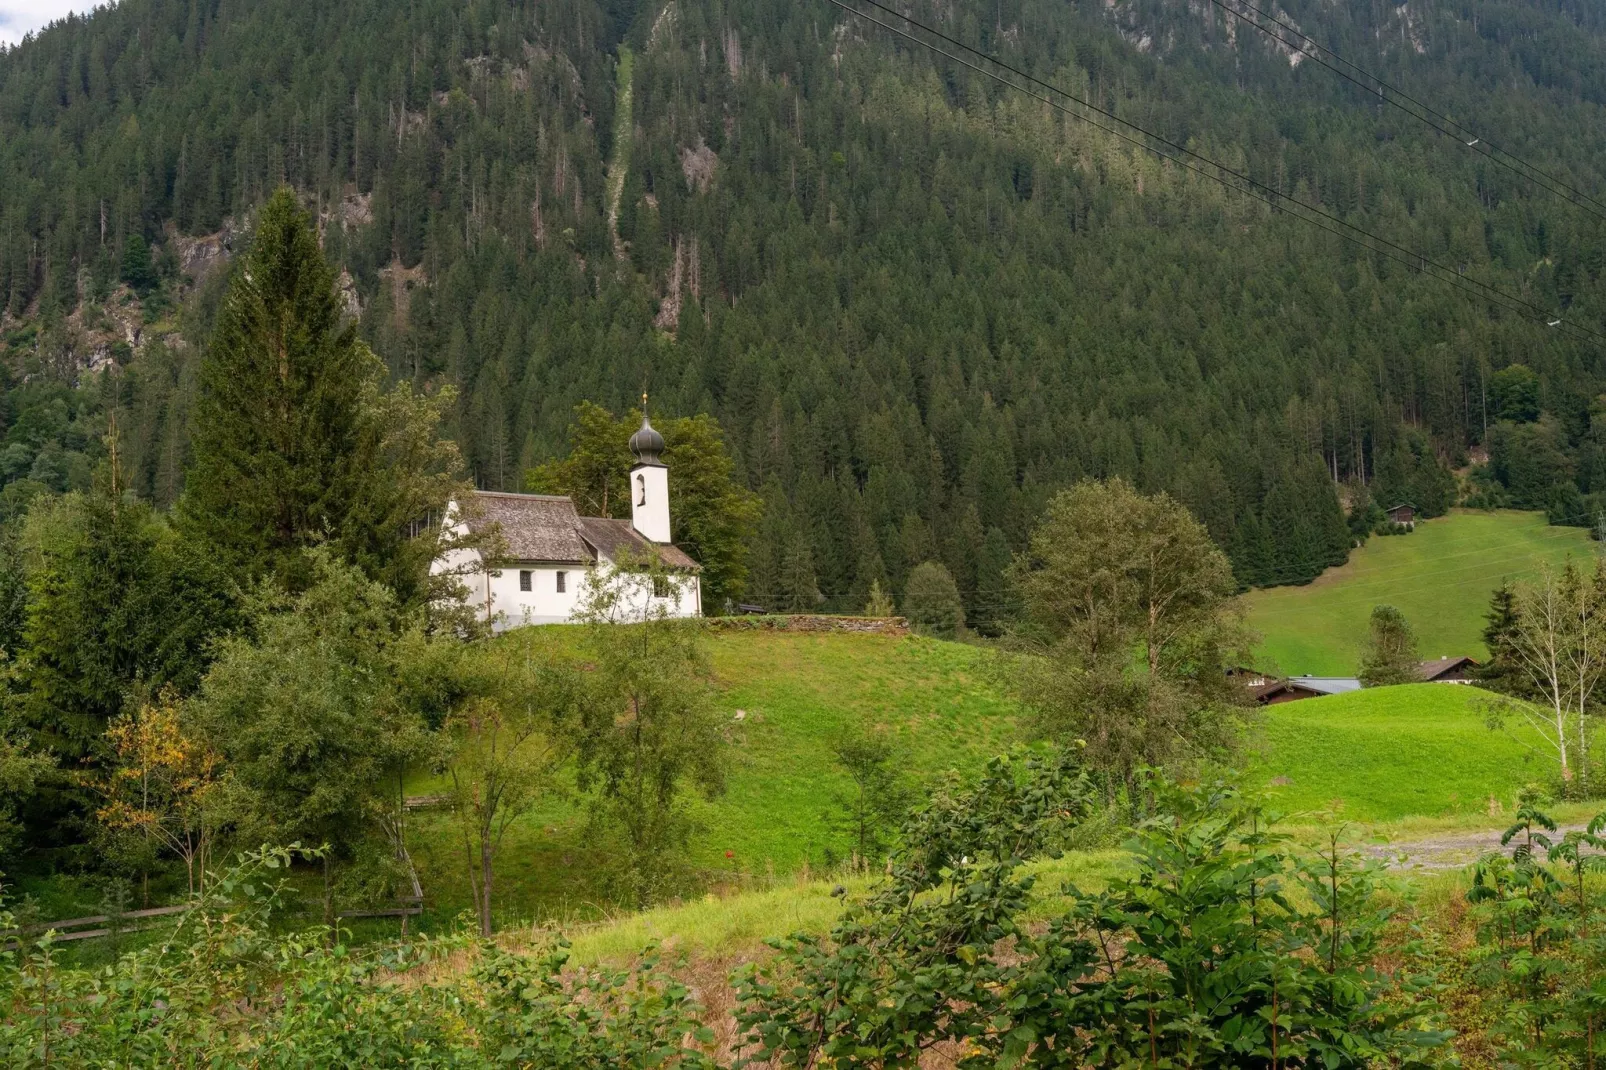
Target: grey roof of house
[534,527]
[546,528]
[1328,685]
[616,538]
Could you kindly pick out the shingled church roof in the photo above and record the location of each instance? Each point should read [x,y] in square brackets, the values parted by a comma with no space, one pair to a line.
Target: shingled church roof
[545,527]
[614,539]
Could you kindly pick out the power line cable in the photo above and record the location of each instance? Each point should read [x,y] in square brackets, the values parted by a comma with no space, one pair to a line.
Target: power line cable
[1395,97]
[1250,186]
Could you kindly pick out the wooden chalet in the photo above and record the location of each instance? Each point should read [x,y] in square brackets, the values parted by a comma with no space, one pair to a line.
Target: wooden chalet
[1459,670]
[1276,692]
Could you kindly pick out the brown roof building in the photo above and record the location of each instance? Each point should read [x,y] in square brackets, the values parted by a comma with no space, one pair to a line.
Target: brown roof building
[1457,670]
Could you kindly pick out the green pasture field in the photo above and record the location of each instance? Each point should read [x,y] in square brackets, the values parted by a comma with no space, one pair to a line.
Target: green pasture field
[1440,576]
[1390,753]
[798,693]
[1392,758]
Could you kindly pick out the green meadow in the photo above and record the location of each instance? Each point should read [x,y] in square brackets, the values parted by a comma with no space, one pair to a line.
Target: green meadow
[1422,750]
[789,697]
[1440,576]
[1376,760]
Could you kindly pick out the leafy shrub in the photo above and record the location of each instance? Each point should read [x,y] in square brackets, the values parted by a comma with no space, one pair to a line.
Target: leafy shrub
[1227,949]
[1540,960]
[224,991]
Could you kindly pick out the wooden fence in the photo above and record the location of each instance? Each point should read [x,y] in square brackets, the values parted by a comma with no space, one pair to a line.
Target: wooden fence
[88,928]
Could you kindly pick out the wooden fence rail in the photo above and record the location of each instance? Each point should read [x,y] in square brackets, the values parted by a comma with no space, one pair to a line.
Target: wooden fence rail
[79,928]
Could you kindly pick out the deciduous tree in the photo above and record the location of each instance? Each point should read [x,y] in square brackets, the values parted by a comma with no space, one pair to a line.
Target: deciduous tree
[869,812]
[1131,611]
[161,783]
[308,715]
[505,743]
[931,601]
[1557,648]
[649,731]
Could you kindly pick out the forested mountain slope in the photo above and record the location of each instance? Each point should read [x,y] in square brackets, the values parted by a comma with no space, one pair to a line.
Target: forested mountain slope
[916,302]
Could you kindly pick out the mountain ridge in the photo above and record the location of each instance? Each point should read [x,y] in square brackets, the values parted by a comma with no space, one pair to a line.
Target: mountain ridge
[917,303]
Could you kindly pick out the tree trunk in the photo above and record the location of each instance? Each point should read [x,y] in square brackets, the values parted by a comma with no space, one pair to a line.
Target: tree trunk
[328,899]
[486,853]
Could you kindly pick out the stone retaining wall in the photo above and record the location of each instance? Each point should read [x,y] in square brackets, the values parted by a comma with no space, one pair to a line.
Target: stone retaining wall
[812,622]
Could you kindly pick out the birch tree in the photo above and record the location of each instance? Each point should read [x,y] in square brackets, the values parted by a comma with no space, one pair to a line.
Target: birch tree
[1558,646]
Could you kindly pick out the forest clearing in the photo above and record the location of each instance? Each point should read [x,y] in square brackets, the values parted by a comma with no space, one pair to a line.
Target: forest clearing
[1440,577]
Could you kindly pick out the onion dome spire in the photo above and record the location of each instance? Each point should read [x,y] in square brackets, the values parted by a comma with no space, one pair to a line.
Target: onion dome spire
[646,443]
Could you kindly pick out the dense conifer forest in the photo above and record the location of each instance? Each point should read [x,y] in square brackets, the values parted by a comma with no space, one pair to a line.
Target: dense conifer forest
[916,303]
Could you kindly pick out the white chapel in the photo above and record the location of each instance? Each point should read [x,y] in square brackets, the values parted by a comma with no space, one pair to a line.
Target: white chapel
[551,553]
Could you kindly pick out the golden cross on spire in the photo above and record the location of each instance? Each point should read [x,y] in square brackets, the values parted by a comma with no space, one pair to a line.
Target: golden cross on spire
[643,403]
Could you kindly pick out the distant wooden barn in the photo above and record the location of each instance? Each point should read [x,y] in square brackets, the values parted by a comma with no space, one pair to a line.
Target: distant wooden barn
[1277,692]
[1402,514]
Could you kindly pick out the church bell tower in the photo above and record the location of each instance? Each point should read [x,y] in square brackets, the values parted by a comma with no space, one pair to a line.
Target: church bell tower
[649,482]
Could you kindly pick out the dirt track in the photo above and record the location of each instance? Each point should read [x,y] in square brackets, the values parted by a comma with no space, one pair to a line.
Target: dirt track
[1450,851]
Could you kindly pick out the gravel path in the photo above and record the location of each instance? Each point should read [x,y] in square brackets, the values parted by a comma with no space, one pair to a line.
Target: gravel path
[1450,851]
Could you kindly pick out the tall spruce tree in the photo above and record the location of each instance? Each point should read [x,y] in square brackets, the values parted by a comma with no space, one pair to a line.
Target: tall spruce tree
[279,418]
[1501,672]
[295,444]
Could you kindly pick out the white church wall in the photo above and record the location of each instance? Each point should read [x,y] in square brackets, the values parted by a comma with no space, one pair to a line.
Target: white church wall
[682,596]
[512,606]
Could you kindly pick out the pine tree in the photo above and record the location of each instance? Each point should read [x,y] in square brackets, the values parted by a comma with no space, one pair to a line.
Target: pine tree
[1390,656]
[138,271]
[995,598]
[799,588]
[279,423]
[1500,672]
[880,603]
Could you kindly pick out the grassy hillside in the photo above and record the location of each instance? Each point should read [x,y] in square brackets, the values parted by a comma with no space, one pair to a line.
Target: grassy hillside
[1399,763]
[1418,752]
[1440,576]
[799,694]
[1388,754]
[1395,752]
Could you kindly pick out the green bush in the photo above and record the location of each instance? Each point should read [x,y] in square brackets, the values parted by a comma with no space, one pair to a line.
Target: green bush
[1226,949]
[225,991]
